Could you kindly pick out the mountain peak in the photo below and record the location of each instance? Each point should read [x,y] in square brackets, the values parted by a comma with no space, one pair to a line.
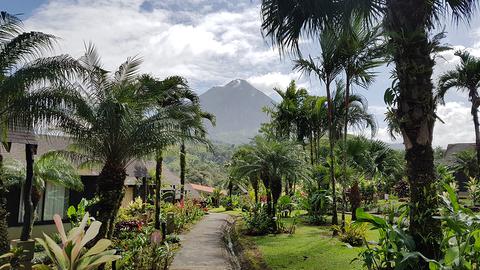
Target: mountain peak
[237,83]
[238,110]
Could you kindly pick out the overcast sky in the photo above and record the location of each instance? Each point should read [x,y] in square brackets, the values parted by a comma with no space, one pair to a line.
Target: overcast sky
[212,42]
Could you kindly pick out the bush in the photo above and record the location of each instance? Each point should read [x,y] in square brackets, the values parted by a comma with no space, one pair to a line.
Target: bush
[402,188]
[285,205]
[185,214]
[230,202]
[136,210]
[354,233]
[258,222]
[317,204]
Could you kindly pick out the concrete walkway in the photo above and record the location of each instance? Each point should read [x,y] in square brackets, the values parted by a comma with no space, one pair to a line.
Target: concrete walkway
[203,247]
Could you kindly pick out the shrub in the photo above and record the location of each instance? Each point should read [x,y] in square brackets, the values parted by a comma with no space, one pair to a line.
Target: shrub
[473,186]
[230,202]
[136,210]
[317,204]
[258,222]
[354,233]
[402,188]
[285,205]
[72,254]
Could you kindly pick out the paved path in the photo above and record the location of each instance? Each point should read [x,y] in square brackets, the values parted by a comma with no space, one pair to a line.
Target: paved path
[203,247]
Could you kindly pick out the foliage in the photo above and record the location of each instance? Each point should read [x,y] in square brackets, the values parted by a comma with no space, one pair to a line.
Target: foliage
[75,215]
[185,214]
[136,210]
[395,247]
[285,205]
[230,202]
[473,187]
[368,191]
[461,231]
[317,204]
[140,252]
[466,162]
[12,259]
[72,254]
[258,221]
[353,233]
[402,188]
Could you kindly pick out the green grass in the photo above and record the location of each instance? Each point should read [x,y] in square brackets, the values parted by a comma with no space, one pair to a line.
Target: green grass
[221,209]
[311,247]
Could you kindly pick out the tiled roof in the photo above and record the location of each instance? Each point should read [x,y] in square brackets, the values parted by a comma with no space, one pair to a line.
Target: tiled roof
[202,188]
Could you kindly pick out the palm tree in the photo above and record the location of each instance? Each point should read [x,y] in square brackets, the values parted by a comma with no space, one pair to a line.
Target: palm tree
[110,127]
[272,161]
[28,89]
[50,169]
[360,54]
[194,126]
[465,77]
[172,91]
[407,24]
[327,69]
[240,159]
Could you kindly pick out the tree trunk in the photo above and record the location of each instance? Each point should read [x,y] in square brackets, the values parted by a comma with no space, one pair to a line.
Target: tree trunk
[158,187]
[355,199]
[332,158]
[27,195]
[182,170]
[111,192]
[345,129]
[405,22]
[4,245]
[474,112]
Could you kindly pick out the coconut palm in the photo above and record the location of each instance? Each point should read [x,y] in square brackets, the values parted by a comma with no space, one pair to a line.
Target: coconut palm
[327,67]
[407,24]
[111,127]
[48,168]
[28,89]
[465,77]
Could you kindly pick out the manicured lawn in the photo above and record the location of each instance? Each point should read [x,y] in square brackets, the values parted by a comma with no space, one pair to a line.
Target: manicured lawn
[221,209]
[311,247]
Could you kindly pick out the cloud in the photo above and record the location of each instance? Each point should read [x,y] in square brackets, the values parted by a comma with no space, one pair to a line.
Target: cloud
[209,42]
[457,126]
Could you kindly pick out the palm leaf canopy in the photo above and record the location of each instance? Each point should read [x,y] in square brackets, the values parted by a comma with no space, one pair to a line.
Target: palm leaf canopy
[465,77]
[30,84]
[286,22]
[112,122]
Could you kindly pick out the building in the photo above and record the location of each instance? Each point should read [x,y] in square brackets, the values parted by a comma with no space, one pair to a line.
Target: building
[57,199]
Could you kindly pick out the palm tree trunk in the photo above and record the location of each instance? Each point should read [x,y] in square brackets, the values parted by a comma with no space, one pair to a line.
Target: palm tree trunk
[27,195]
[4,245]
[345,129]
[406,24]
[255,189]
[182,170]
[332,158]
[474,112]
[111,192]
[158,187]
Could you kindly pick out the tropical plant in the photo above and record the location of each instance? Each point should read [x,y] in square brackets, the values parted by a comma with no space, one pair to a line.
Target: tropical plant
[352,233]
[112,125]
[48,169]
[395,249]
[170,92]
[466,162]
[72,254]
[465,77]
[407,24]
[473,187]
[29,87]
[75,214]
[273,161]
[461,237]
[326,68]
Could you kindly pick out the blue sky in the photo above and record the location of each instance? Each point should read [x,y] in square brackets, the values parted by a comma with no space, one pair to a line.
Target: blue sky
[211,42]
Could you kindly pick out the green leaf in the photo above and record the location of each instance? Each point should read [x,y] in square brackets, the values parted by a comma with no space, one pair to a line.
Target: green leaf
[378,222]
[99,247]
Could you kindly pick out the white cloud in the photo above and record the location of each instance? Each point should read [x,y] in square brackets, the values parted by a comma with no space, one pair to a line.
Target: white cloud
[209,42]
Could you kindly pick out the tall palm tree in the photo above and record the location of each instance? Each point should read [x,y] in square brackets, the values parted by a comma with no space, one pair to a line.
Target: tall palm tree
[172,91]
[465,77]
[407,24]
[241,158]
[194,126]
[110,128]
[360,54]
[326,68]
[50,169]
[28,89]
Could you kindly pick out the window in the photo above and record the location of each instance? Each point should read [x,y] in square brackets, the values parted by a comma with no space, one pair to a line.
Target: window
[53,201]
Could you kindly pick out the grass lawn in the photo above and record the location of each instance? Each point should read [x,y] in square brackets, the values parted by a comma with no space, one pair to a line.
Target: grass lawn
[311,247]
[221,209]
